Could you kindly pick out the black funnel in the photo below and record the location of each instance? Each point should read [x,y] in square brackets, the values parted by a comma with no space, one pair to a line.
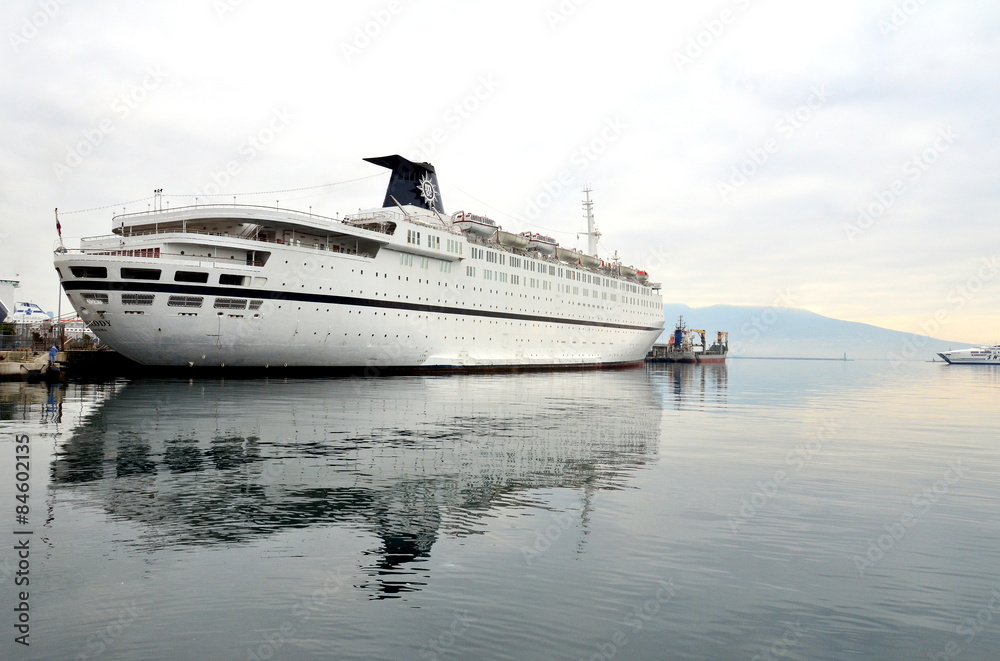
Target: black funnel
[410,183]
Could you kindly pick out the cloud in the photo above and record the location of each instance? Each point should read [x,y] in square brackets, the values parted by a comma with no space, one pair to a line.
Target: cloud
[656,186]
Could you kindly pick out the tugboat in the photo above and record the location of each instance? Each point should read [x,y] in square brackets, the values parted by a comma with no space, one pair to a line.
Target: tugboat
[682,348]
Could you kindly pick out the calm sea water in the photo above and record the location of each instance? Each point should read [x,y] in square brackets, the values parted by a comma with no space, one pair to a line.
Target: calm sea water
[758,510]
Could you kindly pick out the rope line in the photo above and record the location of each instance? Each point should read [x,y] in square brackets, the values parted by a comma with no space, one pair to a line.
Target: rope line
[110,206]
[512,216]
[271,192]
[285,190]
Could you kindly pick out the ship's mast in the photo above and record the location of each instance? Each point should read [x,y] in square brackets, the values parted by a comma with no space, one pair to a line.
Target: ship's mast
[588,212]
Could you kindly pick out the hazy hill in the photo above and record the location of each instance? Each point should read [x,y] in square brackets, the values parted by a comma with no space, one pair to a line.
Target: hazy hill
[767,332]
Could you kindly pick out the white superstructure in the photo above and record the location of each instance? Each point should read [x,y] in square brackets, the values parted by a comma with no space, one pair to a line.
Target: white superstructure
[26,312]
[974,356]
[395,287]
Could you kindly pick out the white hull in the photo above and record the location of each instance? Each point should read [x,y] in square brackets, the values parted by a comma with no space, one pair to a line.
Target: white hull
[977,356]
[241,286]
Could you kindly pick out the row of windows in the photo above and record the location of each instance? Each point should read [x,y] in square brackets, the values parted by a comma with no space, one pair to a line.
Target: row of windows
[500,276]
[175,301]
[101,272]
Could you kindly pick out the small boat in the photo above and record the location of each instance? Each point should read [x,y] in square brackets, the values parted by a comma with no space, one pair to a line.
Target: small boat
[474,224]
[541,243]
[975,356]
[576,257]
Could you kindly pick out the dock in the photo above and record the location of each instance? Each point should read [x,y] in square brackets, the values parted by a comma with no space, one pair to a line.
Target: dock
[28,365]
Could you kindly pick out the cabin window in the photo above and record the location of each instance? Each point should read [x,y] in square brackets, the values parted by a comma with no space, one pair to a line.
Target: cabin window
[140,274]
[88,271]
[232,279]
[137,299]
[190,276]
[185,301]
[94,298]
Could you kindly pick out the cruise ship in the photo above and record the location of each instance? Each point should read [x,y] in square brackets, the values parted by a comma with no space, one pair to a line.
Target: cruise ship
[402,286]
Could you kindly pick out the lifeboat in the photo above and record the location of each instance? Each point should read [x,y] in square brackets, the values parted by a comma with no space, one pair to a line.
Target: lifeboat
[577,257]
[512,240]
[543,244]
[474,223]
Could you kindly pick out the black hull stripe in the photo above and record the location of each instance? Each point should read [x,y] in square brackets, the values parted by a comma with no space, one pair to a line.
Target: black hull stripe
[204,290]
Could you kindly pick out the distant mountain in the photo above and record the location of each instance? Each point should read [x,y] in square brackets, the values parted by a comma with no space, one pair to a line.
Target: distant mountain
[774,332]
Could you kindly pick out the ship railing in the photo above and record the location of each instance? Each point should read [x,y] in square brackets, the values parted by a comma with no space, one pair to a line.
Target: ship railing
[156,253]
[193,209]
[254,211]
[100,243]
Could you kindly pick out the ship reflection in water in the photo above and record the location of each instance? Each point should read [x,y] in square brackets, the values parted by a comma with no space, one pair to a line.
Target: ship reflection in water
[691,386]
[407,460]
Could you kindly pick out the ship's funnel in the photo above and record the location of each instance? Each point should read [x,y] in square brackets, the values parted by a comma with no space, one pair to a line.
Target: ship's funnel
[410,183]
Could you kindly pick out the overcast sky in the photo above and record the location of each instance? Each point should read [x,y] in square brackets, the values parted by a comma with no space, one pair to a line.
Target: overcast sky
[842,156]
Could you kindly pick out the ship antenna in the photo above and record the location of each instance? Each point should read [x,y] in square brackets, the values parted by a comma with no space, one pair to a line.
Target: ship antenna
[592,234]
